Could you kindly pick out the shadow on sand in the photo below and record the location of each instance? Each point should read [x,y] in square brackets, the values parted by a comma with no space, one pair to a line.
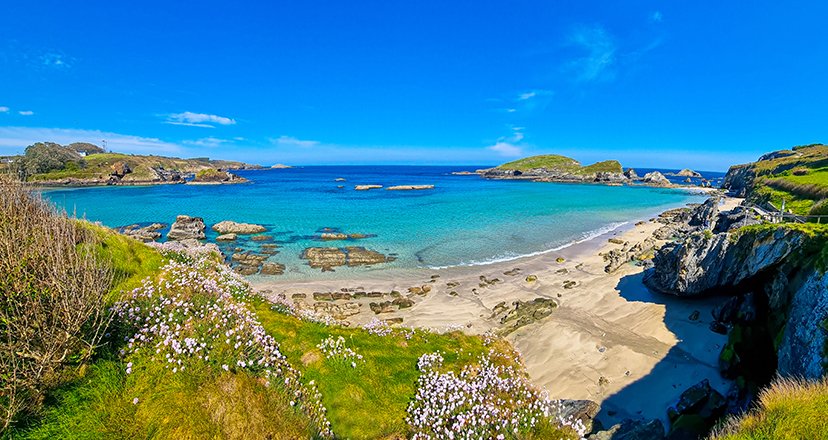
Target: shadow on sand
[692,359]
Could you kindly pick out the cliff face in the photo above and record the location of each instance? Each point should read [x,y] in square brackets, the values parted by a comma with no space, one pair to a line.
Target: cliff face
[778,290]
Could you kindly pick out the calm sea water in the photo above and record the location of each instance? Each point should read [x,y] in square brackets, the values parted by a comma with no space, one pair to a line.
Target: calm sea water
[465,220]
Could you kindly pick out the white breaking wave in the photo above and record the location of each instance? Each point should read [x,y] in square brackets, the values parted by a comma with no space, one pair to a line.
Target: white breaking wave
[587,236]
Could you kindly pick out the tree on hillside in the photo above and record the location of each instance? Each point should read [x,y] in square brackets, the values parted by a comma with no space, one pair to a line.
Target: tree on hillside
[85,148]
[44,157]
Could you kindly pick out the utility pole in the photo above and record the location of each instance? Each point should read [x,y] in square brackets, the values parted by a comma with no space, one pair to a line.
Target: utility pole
[104,146]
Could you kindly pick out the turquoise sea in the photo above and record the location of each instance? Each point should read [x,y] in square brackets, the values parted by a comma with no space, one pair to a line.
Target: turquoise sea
[465,220]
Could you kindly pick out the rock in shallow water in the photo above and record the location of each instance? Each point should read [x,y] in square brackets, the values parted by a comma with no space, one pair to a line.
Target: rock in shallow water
[186,227]
[228,227]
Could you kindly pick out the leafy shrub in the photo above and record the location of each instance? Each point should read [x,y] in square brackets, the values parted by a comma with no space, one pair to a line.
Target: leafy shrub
[820,208]
[52,310]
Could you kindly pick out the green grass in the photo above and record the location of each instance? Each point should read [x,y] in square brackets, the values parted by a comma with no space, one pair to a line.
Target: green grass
[607,166]
[131,260]
[796,204]
[788,409]
[202,404]
[371,400]
[548,161]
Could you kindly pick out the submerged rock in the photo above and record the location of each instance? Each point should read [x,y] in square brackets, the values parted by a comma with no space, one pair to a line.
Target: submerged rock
[409,187]
[186,227]
[145,233]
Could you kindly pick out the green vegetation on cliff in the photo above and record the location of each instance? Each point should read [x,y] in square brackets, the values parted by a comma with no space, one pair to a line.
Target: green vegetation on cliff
[787,409]
[799,177]
[554,162]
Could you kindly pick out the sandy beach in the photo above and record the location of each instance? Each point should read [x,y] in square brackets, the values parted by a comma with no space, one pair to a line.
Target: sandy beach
[609,339]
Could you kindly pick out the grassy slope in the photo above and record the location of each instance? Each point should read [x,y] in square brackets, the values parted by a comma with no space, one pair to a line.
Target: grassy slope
[562,164]
[367,402]
[777,180]
[787,410]
[98,166]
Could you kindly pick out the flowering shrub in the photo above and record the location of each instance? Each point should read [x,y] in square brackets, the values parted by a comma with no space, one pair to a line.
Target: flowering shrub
[194,312]
[378,327]
[336,349]
[483,401]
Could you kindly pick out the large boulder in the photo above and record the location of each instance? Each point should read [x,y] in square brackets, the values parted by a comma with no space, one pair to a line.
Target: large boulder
[736,218]
[231,227]
[186,227]
[655,178]
[688,173]
[630,173]
[697,410]
[705,215]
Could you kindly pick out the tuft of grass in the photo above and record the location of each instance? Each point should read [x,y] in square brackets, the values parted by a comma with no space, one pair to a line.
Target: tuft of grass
[787,409]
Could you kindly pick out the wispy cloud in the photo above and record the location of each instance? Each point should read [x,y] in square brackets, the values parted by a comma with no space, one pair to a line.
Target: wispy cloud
[56,60]
[656,17]
[510,146]
[25,112]
[290,141]
[599,49]
[204,120]
[15,139]
[4,109]
[208,142]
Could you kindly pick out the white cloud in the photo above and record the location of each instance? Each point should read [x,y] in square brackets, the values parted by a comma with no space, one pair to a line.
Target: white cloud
[600,55]
[26,112]
[510,146]
[656,17]
[511,110]
[209,142]
[527,95]
[290,141]
[506,149]
[4,109]
[205,120]
[15,139]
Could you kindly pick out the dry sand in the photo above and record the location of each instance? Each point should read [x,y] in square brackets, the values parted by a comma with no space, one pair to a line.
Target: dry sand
[609,340]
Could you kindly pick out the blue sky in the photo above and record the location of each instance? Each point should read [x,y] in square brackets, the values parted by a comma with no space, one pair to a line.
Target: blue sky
[651,83]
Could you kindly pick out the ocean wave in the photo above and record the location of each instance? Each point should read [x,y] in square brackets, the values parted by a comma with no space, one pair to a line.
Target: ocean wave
[587,236]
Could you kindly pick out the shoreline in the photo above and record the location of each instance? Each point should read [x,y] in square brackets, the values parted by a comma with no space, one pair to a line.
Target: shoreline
[608,334]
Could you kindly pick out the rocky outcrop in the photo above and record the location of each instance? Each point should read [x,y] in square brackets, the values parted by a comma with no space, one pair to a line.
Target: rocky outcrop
[231,227]
[707,262]
[736,218]
[337,236]
[145,233]
[270,268]
[803,349]
[705,215]
[367,187]
[227,237]
[164,175]
[326,258]
[186,227]
[120,169]
[641,251]
[409,187]
[739,180]
[655,178]
[630,173]
[688,173]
